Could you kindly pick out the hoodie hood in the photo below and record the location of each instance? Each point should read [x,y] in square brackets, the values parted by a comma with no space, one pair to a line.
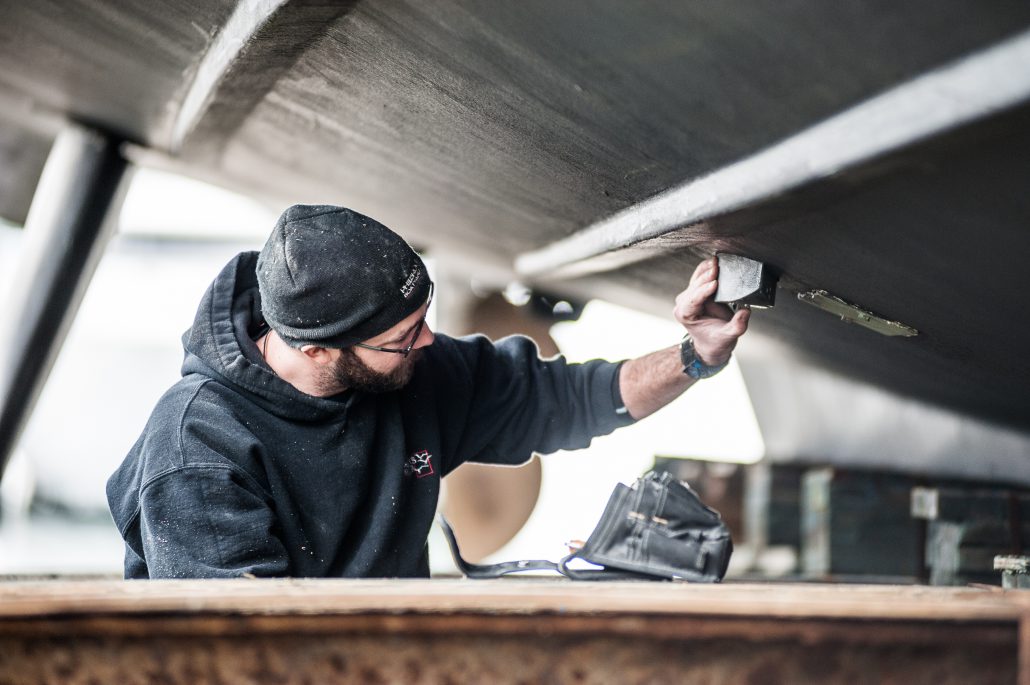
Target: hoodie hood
[220,345]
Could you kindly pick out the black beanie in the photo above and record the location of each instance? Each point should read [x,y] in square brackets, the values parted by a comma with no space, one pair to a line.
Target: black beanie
[332,277]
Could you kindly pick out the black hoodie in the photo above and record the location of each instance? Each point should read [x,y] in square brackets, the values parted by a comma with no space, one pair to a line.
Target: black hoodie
[239,472]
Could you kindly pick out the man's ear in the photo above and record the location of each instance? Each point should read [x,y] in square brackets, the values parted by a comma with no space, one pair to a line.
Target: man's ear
[319,355]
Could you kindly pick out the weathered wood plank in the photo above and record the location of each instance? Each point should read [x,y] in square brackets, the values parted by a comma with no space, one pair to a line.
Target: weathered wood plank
[504,631]
[512,596]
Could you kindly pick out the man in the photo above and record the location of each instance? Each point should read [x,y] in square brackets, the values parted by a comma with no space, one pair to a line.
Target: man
[317,411]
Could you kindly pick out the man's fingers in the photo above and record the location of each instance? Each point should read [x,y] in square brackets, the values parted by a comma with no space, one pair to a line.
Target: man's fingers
[699,295]
[715,328]
[696,303]
[703,271]
[718,311]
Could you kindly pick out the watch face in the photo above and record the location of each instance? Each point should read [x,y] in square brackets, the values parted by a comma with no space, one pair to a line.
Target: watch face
[692,366]
[687,354]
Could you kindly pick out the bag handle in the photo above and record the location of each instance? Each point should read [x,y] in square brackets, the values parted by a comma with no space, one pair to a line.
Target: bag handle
[481,571]
[490,570]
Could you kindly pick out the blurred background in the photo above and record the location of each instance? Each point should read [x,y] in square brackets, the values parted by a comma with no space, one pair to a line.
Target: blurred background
[563,167]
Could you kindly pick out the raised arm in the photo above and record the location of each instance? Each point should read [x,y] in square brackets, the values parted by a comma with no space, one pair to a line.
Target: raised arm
[650,382]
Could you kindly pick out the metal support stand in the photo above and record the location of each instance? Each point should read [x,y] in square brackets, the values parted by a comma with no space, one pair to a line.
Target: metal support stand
[65,234]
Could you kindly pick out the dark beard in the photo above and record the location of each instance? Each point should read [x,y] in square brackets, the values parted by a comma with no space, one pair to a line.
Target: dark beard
[349,372]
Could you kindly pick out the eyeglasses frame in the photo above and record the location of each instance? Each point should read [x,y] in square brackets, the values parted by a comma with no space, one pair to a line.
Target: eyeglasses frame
[418,332]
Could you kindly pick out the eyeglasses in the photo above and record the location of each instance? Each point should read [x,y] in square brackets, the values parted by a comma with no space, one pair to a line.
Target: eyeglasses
[418,331]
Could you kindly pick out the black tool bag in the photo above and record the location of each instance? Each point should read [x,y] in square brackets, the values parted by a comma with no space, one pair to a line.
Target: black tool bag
[658,529]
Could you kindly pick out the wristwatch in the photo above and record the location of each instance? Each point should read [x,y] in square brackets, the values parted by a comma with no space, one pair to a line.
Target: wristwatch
[692,364]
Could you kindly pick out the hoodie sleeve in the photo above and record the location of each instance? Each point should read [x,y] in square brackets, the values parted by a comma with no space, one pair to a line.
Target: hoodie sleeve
[514,403]
[203,521]
[197,513]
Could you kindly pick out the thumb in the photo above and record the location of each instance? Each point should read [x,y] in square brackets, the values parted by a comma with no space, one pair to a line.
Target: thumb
[738,324]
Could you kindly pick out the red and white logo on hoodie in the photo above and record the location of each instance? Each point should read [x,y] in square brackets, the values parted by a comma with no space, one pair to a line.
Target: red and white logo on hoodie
[420,464]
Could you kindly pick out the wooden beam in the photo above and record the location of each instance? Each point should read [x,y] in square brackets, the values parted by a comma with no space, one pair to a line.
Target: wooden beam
[504,631]
[506,596]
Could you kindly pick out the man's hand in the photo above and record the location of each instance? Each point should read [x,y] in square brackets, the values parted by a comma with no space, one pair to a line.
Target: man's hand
[713,327]
[650,382]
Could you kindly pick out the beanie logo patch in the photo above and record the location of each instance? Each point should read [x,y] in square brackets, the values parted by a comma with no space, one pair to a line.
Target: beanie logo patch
[409,284]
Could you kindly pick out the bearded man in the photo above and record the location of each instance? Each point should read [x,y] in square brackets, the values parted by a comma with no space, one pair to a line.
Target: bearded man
[317,411]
